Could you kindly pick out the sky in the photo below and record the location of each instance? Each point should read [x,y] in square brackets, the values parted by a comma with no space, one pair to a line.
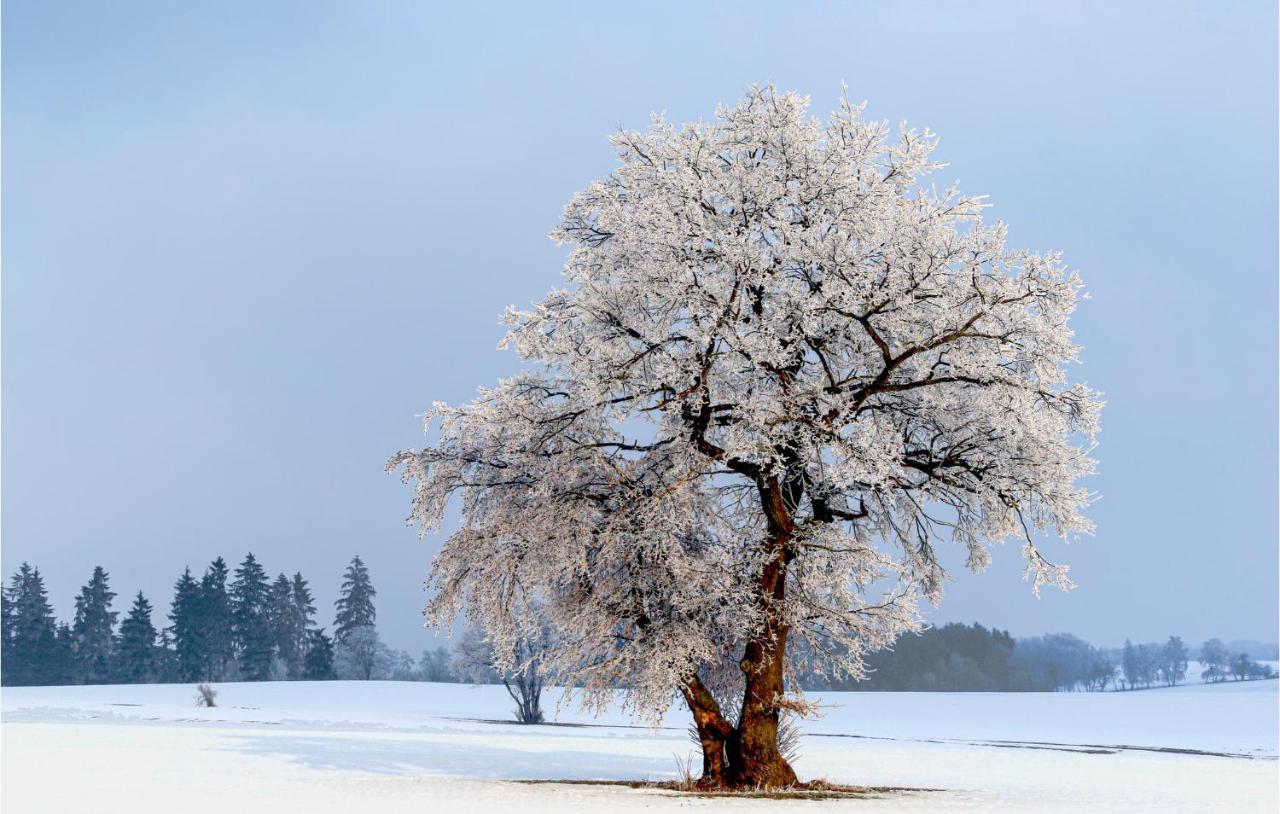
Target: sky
[246,245]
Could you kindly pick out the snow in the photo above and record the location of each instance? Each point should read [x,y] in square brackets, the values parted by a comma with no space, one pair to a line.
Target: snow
[393,746]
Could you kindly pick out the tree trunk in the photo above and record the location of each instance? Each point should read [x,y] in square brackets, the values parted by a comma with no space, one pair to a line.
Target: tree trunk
[713,731]
[754,758]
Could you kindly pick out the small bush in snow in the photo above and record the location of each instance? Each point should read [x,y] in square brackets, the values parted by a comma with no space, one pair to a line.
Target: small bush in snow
[206,696]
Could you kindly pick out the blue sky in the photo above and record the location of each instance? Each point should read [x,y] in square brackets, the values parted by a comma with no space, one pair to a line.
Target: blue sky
[246,244]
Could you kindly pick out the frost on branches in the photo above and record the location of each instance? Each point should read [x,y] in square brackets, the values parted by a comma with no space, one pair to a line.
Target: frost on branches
[781,372]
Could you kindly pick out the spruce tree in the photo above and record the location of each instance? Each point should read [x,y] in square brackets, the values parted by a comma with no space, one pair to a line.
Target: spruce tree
[33,655]
[93,632]
[166,659]
[215,623]
[318,664]
[304,612]
[250,600]
[6,634]
[136,653]
[190,652]
[355,601]
[280,620]
[62,668]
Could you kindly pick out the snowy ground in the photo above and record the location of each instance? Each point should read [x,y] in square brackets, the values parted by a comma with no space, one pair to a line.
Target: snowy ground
[388,747]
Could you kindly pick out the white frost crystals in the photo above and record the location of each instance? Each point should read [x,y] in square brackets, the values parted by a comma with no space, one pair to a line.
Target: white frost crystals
[781,371]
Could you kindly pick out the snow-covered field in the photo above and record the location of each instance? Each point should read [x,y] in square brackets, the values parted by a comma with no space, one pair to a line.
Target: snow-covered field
[386,747]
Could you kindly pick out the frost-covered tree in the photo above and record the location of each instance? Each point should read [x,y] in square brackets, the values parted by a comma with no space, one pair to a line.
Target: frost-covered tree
[93,631]
[136,656]
[782,370]
[361,655]
[1216,659]
[520,670]
[402,666]
[355,601]
[1173,668]
[437,665]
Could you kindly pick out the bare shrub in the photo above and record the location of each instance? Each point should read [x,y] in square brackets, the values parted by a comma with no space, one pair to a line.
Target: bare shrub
[686,779]
[206,696]
[789,736]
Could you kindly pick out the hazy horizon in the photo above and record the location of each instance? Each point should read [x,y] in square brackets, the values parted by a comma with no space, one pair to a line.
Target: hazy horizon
[247,245]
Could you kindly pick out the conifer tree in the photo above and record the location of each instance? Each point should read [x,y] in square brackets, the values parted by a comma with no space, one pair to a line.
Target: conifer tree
[93,632]
[190,653]
[250,603]
[62,669]
[318,665]
[282,626]
[215,623]
[166,659]
[136,653]
[32,653]
[304,607]
[355,601]
[6,634]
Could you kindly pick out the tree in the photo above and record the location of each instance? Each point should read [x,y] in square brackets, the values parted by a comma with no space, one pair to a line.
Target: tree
[318,662]
[250,596]
[137,659]
[1215,657]
[7,627]
[1174,662]
[1059,662]
[93,631]
[1149,661]
[190,649]
[1240,666]
[953,657]
[302,616]
[1129,664]
[62,668]
[361,655]
[781,373]
[437,665]
[166,659]
[355,601]
[287,627]
[402,666]
[519,670]
[33,655]
[216,623]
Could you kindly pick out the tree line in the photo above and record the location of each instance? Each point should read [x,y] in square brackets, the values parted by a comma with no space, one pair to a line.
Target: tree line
[222,626]
[971,658]
[241,626]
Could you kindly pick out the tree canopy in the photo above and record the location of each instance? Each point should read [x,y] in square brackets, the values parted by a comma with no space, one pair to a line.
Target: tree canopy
[782,370]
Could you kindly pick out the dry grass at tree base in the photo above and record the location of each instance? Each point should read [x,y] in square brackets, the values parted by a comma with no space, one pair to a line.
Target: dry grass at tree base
[812,790]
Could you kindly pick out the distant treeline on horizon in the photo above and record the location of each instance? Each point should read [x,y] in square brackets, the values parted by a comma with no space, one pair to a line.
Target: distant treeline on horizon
[243,626]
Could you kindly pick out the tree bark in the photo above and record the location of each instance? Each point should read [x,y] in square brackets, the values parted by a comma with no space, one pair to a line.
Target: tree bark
[754,758]
[713,731]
